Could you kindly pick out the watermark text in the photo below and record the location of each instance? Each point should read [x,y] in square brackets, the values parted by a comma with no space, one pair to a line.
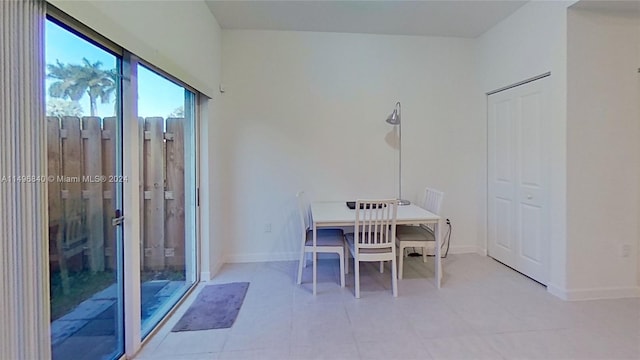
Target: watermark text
[30,179]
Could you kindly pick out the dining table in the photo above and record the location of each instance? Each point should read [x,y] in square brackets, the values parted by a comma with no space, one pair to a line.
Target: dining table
[332,214]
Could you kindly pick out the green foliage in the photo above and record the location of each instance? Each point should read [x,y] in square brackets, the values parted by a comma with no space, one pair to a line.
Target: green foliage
[75,80]
[60,107]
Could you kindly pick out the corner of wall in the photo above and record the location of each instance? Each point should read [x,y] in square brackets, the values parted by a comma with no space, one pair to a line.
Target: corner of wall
[213,270]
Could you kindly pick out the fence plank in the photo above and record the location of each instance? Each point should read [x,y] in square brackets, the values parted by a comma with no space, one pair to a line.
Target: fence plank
[92,186]
[109,190]
[174,221]
[55,201]
[154,240]
[71,190]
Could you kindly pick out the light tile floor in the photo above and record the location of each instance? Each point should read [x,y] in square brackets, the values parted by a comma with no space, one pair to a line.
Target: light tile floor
[484,310]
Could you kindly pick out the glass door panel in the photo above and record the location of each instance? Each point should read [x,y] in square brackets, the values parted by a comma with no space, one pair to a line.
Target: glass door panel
[84,190]
[167,264]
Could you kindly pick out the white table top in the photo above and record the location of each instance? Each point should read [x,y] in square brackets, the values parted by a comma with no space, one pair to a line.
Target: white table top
[336,213]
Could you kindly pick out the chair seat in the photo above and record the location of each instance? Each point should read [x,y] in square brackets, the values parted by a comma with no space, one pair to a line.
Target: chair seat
[327,241]
[329,232]
[351,242]
[325,237]
[374,238]
[413,233]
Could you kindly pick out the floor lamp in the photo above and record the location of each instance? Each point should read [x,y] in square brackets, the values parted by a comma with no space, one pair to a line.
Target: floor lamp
[394,119]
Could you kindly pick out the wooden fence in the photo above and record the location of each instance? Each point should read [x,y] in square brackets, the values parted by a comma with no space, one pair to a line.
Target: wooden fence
[82,184]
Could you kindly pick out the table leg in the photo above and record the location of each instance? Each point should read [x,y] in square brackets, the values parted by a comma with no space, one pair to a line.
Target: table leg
[438,257]
[315,258]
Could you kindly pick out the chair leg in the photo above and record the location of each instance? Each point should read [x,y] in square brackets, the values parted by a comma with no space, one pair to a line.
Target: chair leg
[347,253]
[342,256]
[424,254]
[400,261]
[300,264]
[356,266]
[306,260]
[394,278]
[381,267]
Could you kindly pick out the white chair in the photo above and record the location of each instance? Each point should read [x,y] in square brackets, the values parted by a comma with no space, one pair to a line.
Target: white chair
[374,237]
[419,236]
[327,240]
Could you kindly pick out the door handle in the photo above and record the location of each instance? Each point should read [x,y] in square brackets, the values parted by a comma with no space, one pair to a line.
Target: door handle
[118,219]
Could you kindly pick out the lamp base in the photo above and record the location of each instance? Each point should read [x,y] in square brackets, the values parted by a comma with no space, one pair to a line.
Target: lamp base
[403,202]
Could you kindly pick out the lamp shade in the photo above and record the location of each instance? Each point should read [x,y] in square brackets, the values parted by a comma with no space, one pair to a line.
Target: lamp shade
[394,118]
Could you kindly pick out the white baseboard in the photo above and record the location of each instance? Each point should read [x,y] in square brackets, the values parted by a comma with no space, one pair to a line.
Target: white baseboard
[293,256]
[455,250]
[595,293]
[463,249]
[557,291]
[262,257]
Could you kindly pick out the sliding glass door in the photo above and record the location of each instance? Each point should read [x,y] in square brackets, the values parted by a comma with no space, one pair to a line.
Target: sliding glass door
[167,264]
[84,161]
[115,125]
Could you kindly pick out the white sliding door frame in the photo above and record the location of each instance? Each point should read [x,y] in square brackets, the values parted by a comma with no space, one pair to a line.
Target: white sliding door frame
[132,199]
[132,128]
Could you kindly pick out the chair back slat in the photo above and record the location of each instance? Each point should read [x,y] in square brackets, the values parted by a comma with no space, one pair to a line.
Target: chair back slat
[303,210]
[375,223]
[432,203]
[433,200]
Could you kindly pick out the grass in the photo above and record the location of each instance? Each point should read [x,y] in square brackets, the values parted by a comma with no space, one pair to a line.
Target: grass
[171,275]
[82,285]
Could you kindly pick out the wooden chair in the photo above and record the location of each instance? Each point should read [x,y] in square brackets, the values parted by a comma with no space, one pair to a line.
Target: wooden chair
[327,240]
[419,236]
[374,237]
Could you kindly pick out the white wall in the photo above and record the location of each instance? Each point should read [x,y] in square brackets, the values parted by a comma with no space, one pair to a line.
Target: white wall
[184,39]
[306,110]
[587,151]
[530,42]
[603,156]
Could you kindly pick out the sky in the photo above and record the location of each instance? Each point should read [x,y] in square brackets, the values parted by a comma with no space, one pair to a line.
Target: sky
[157,96]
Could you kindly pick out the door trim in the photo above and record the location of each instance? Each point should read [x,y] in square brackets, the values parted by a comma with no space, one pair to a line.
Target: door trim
[538,77]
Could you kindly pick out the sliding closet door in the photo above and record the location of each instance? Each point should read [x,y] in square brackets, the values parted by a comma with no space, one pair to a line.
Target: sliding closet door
[518,220]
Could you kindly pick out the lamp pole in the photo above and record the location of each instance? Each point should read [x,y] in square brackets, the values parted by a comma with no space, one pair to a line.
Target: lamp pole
[396,119]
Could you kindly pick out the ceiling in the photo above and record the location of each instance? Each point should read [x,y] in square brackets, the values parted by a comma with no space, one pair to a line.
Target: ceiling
[620,7]
[468,19]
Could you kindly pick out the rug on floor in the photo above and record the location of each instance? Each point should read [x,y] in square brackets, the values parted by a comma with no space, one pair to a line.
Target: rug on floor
[216,307]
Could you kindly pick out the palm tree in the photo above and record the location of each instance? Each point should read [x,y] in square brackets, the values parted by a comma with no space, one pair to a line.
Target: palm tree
[74,80]
[66,86]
